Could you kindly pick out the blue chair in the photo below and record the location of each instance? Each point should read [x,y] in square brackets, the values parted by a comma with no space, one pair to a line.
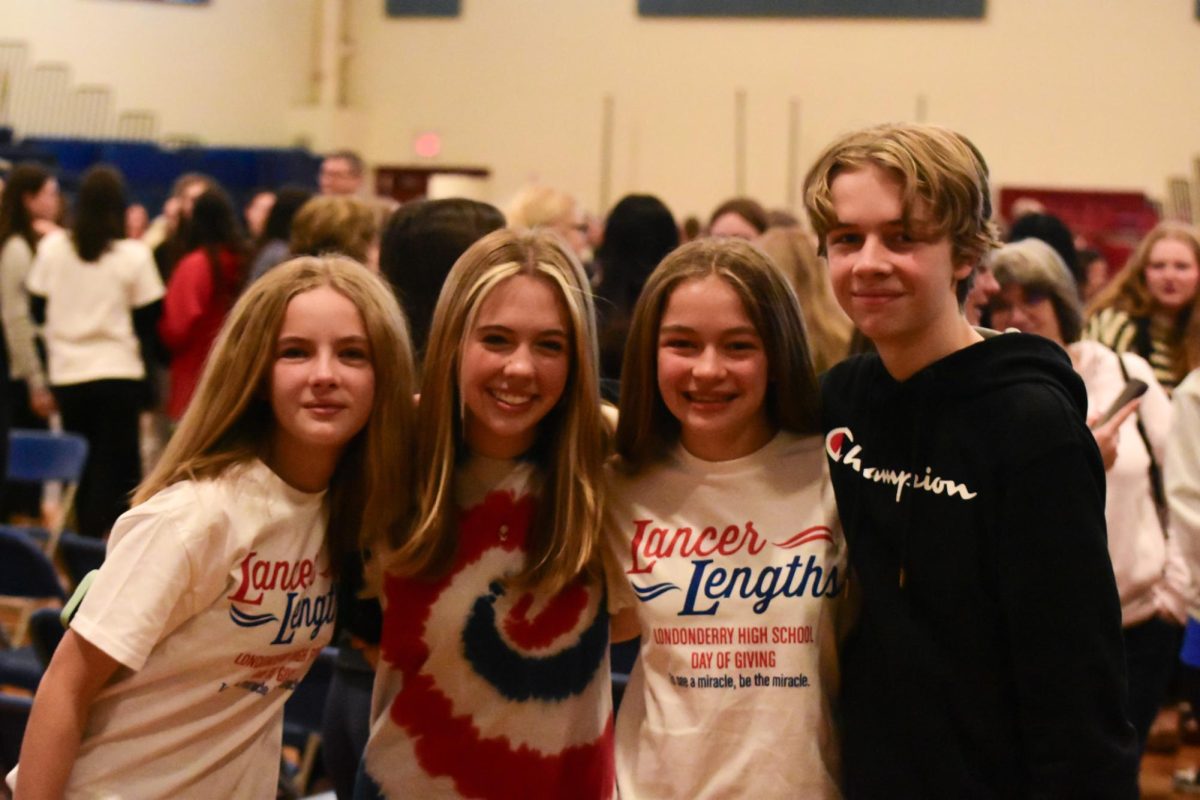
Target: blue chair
[28,578]
[14,714]
[41,456]
[45,632]
[303,713]
[21,668]
[79,555]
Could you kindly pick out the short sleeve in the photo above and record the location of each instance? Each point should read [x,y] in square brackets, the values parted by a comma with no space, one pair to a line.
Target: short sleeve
[163,567]
[620,595]
[146,285]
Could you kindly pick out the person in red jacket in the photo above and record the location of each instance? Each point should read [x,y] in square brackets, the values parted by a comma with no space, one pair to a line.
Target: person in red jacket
[200,293]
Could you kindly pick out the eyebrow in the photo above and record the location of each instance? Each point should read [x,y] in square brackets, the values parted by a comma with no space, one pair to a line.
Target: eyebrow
[506,329]
[743,329]
[837,223]
[297,339]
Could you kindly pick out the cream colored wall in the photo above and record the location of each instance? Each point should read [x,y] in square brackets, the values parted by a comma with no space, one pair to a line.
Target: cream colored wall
[1073,93]
[228,72]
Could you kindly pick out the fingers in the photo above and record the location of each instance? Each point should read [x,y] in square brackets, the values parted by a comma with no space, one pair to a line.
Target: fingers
[1119,417]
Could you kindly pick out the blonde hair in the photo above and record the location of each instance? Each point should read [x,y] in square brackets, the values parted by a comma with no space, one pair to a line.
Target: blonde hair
[230,420]
[572,442]
[540,207]
[1127,292]
[943,185]
[646,429]
[829,329]
[335,224]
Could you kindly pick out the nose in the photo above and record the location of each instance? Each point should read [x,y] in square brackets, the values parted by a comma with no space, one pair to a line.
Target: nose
[872,256]
[520,363]
[708,364]
[324,371]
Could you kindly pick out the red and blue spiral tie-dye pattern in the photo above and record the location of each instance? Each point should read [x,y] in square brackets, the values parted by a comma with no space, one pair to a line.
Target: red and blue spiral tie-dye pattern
[478,658]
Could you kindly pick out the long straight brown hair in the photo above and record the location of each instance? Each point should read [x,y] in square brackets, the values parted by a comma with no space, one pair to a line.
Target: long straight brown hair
[572,442]
[646,429]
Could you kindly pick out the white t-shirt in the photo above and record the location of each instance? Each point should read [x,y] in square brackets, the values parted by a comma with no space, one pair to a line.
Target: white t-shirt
[216,598]
[738,573]
[89,329]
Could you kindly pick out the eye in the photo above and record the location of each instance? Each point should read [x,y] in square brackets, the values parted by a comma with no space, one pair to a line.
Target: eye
[552,346]
[843,239]
[676,343]
[292,352]
[354,354]
[494,340]
[742,346]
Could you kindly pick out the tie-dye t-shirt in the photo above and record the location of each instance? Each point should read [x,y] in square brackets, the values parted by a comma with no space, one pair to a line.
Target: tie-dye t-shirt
[484,690]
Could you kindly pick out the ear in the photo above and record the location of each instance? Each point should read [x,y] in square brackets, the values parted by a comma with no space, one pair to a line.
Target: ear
[962,271]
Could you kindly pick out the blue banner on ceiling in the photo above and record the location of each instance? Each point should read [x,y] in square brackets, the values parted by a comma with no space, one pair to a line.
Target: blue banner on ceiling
[917,9]
[422,8]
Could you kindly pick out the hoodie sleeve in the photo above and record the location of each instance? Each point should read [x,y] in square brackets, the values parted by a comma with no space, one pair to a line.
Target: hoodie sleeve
[1181,474]
[1062,614]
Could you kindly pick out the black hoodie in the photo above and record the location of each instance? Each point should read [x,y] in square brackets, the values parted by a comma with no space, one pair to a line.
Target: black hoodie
[988,659]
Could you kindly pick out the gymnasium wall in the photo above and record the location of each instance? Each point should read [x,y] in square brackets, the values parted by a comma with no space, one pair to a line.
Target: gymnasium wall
[229,72]
[1070,93]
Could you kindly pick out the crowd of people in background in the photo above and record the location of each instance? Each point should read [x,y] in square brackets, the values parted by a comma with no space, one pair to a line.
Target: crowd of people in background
[523,331]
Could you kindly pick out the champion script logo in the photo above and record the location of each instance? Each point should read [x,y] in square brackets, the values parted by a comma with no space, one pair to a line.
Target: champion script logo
[841,449]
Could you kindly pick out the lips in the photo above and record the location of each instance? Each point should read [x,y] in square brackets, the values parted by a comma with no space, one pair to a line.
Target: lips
[869,295]
[511,398]
[709,398]
[324,409]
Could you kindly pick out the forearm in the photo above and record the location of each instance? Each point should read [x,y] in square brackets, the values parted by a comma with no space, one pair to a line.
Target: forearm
[51,744]
[19,333]
[56,724]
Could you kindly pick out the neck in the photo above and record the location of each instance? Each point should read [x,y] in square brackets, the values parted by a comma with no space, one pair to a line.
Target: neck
[903,359]
[308,470]
[706,448]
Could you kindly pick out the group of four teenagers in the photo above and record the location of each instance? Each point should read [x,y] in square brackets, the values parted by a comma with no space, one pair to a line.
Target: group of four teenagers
[706,522]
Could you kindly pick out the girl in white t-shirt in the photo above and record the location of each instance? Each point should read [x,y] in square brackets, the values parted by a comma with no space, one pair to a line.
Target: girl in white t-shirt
[493,678]
[727,554]
[217,593]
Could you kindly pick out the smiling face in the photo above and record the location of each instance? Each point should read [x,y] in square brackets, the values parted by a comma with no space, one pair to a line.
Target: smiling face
[1172,274]
[515,364]
[898,290]
[322,380]
[712,371]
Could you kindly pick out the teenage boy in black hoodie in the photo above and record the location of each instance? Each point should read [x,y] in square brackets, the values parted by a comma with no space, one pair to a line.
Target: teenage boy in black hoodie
[987,661]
